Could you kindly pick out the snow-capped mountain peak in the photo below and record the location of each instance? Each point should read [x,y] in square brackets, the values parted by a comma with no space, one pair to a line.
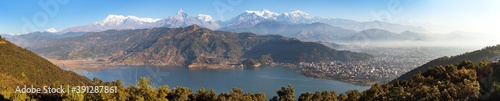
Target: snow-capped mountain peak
[118,22]
[51,30]
[119,19]
[205,17]
[247,19]
[298,13]
[297,16]
[181,13]
[112,18]
[251,18]
[263,13]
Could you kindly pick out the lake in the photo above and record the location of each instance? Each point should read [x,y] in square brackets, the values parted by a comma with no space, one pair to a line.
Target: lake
[264,79]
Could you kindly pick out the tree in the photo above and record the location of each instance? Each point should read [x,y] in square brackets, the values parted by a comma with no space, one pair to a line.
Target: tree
[305,96]
[236,94]
[251,63]
[121,94]
[259,97]
[134,93]
[286,94]
[373,93]
[331,96]
[353,95]
[265,59]
[202,95]
[317,96]
[223,96]
[467,64]
[163,93]
[180,94]
[145,90]
[97,81]
[343,97]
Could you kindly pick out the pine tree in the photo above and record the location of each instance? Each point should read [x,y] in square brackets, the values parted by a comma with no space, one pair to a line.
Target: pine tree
[146,91]
[343,97]
[286,94]
[180,94]
[163,93]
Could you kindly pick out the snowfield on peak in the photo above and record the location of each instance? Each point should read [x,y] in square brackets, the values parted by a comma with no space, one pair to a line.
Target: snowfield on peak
[297,13]
[263,13]
[205,17]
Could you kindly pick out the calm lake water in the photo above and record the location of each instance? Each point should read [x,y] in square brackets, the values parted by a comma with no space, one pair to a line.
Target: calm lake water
[265,79]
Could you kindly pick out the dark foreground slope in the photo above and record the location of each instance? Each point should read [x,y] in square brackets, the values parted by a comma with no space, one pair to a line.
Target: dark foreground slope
[192,45]
[19,67]
[25,66]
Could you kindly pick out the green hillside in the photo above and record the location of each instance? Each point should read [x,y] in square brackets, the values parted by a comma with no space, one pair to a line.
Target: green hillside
[19,67]
[27,67]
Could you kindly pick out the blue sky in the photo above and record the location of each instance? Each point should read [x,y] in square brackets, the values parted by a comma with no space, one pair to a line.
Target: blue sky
[16,13]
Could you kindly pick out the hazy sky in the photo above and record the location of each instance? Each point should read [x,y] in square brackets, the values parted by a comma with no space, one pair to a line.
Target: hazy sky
[435,15]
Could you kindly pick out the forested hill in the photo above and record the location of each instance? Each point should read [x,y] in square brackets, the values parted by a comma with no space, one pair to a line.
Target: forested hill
[475,56]
[188,46]
[20,66]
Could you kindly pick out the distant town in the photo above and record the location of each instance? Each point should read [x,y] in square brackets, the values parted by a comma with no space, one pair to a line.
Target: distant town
[388,64]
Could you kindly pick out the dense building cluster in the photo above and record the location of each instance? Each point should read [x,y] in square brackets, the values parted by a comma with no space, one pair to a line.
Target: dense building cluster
[388,64]
[358,71]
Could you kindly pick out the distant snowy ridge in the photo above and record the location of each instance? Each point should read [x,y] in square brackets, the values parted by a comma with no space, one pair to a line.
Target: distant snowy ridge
[247,19]
[119,19]
[118,22]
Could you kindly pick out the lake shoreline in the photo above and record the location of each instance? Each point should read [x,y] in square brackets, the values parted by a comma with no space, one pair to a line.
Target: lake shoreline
[92,65]
[265,79]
